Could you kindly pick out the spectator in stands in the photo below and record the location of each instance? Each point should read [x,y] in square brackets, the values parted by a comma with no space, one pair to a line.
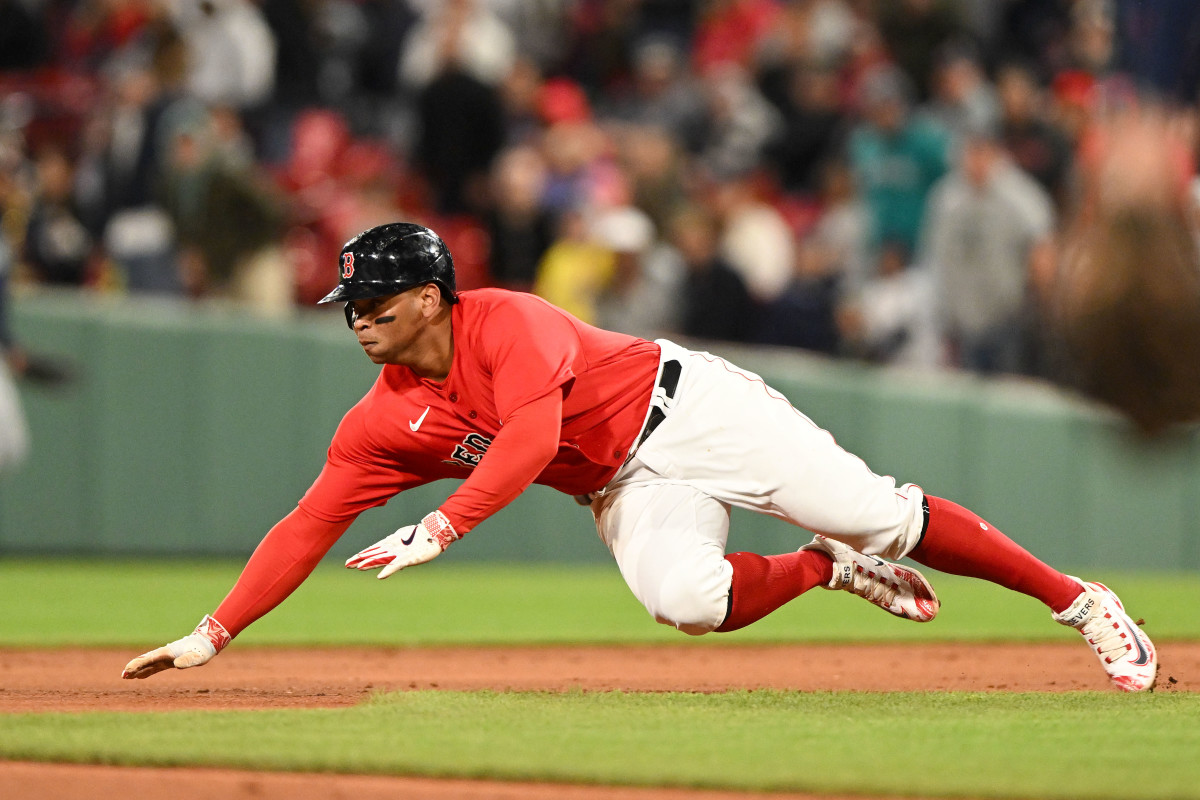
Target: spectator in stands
[293,25]
[663,95]
[602,43]
[754,239]
[1036,32]
[573,147]
[541,31]
[520,226]
[57,245]
[461,123]
[228,226]
[915,31]
[890,318]
[814,128]
[94,32]
[656,167]
[642,299]
[520,93]
[730,32]
[24,39]
[1157,45]
[739,123]
[576,268]
[14,434]
[1035,145]
[843,229]
[122,162]
[963,98]
[715,301]
[990,225]
[231,51]
[896,156]
[466,32]
[803,314]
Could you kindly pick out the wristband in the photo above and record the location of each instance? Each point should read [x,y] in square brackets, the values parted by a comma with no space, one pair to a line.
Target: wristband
[439,528]
[214,632]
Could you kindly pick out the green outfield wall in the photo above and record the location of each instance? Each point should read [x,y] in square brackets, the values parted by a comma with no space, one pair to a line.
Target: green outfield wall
[191,430]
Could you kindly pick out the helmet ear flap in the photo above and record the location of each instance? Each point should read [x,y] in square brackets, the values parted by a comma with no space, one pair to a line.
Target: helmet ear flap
[351,315]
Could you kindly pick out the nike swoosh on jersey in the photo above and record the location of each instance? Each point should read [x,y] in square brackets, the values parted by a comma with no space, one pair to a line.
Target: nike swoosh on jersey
[413,426]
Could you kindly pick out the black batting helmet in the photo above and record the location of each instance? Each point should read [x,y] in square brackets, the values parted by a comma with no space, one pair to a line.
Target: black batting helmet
[388,259]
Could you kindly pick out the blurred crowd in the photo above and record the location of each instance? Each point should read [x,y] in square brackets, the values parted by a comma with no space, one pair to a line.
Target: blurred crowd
[876,179]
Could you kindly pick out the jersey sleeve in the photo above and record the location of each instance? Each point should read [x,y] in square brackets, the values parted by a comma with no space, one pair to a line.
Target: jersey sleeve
[285,557]
[522,449]
[530,349]
[356,475]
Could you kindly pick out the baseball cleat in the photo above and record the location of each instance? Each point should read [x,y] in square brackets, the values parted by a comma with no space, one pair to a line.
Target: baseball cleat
[897,590]
[1125,652]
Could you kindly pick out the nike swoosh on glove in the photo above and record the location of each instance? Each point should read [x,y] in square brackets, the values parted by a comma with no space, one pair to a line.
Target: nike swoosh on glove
[408,546]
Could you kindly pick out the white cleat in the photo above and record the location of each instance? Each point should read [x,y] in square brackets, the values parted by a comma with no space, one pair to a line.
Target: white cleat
[898,590]
[1125,652]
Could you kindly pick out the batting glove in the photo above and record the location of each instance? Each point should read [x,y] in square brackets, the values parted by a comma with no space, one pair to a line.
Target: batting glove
[412,544]
[198,647]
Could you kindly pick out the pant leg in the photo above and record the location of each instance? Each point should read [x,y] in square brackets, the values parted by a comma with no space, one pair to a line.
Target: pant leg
[668,539]
[733,438]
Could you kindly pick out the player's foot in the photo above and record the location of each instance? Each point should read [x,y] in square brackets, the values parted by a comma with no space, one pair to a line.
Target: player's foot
[1127,654]
[898,590]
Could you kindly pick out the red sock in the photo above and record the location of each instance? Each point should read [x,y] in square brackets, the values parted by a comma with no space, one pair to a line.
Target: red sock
[959,542]
[762,584]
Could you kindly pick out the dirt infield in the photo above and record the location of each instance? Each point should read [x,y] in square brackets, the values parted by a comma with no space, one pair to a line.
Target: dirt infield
[247,678]
[264,677]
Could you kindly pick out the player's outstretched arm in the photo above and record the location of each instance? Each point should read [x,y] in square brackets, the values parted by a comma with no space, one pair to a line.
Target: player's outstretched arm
[193,650]
[285,557]
[407,547]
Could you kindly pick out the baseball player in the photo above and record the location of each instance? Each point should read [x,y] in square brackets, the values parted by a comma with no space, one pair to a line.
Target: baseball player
[503,389]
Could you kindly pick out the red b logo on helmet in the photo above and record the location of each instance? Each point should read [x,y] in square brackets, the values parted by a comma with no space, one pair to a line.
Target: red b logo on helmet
[347,265]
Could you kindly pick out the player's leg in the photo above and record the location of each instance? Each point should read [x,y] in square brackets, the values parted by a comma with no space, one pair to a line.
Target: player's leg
[736,439]
[669,543]
[958,541]
[832,491]
[732,438]
[865,510]
[668,539]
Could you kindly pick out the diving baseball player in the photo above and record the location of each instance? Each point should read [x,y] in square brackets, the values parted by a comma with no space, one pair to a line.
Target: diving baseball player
[505,390]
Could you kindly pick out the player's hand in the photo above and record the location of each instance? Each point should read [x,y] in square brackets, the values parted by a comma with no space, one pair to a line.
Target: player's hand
[198,647]
[412,544]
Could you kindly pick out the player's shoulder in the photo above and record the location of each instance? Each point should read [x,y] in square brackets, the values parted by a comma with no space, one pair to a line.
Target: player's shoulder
[493,296]
[480,306]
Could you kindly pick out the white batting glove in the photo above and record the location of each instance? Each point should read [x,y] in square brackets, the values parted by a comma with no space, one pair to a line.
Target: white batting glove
[193,650]
[411,545]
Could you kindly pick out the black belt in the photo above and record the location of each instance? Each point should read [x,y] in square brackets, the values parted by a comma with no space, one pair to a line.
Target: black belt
[668,382]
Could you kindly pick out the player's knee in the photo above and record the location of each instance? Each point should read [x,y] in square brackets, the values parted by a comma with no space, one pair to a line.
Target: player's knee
[691,603]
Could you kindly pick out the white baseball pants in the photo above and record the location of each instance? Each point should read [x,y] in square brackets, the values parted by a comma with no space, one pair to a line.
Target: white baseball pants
[727,440]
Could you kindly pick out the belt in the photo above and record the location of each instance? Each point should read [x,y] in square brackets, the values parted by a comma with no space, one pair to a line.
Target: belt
[664,390]
[668,382]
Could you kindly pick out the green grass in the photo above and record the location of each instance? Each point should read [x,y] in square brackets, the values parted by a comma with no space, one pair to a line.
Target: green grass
[926,744]
[50,602]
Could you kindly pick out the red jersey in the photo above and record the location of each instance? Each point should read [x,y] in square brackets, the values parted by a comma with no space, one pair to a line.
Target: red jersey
[510,349]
